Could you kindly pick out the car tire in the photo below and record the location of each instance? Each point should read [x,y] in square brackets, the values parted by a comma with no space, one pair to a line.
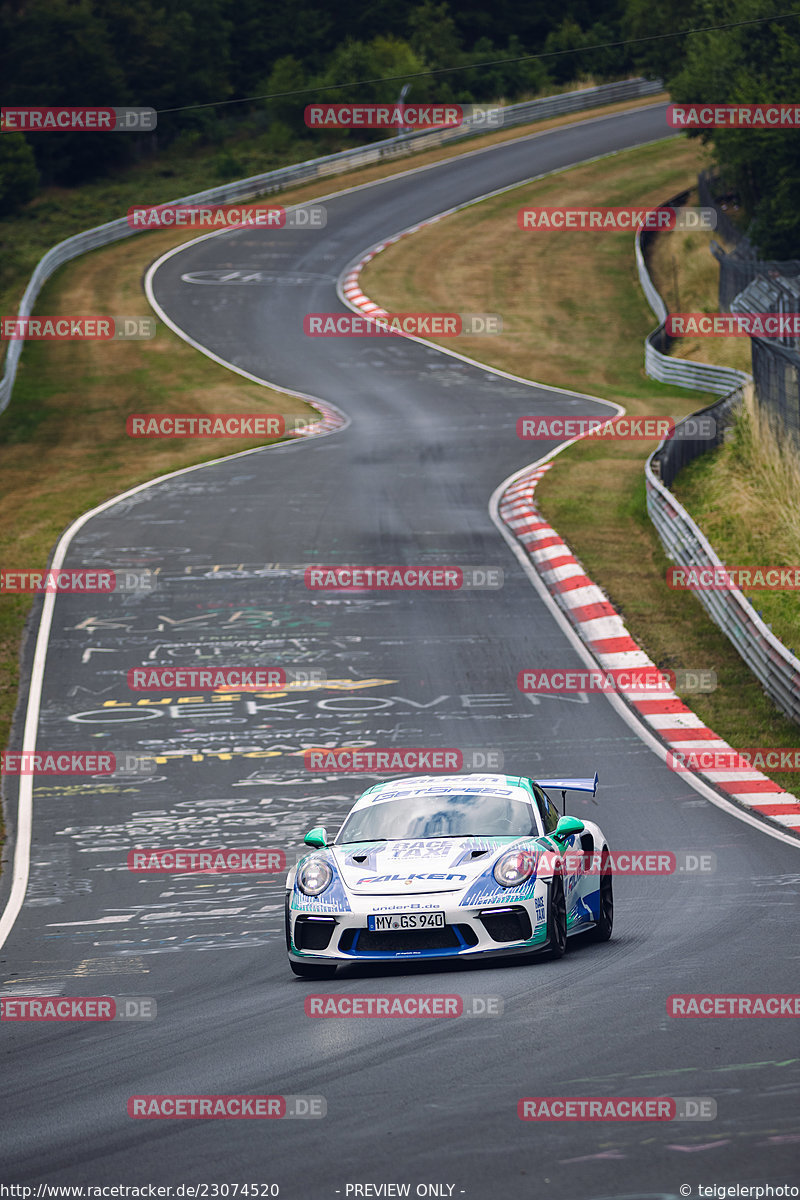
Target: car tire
[313,970]
[557,920]
[601,932]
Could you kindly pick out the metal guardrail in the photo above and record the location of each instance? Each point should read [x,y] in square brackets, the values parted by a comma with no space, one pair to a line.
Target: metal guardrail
[773,664]
[702,377]
[776,361]
[675,453]
[316,168]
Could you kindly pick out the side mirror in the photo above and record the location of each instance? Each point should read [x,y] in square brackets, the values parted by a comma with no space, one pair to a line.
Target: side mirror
[319,837]
[566,826]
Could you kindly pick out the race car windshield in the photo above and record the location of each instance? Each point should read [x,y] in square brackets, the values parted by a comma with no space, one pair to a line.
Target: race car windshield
[438,816]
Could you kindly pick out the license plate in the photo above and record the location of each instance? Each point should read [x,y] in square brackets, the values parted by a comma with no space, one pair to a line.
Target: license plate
[434,920]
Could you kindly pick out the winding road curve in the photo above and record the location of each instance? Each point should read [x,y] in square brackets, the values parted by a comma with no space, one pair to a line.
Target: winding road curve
[408,1101]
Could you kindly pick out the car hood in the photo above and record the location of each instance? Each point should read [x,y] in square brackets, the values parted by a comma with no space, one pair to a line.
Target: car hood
[410,867]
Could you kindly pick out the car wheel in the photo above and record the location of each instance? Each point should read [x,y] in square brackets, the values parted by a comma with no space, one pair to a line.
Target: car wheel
[602,930]
[557,919]
[313,970]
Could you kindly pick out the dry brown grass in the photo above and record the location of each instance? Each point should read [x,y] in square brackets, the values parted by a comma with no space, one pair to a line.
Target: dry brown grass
[552,289]
[746,498]
[763,487]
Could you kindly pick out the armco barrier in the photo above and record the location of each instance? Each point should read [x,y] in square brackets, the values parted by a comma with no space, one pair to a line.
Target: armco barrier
[703,377]
[675,453]
[316,168]
[777,668]
[773,664]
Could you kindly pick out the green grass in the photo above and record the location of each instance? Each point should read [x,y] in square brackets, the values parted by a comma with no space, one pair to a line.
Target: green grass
[746,497]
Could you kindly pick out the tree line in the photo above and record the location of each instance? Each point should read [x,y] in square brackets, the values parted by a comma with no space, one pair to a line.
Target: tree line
[207,66]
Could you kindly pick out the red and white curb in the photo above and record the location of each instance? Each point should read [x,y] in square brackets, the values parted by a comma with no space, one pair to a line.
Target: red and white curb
[351,288]
[330,419]
[603,631]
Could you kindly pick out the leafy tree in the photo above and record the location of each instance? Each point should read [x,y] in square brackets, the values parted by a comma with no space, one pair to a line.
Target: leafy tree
[751,64]
[19,178]
[382,57]
[563,44]
[504,80]
[289,75]
[434,37]
[660,56]
[59,53]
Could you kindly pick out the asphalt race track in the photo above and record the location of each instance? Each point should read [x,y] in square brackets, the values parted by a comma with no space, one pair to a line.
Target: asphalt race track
[409,1101]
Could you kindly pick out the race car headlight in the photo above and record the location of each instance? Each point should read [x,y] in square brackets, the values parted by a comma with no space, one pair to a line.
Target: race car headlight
[314,876]
[514,867]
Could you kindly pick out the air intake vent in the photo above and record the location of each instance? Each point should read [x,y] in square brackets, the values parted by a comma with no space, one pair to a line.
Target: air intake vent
[507,924]
[313,933]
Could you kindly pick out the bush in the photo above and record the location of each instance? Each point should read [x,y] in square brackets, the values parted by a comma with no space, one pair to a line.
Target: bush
[19,177]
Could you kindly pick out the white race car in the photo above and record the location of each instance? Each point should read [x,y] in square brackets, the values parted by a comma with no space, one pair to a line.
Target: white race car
[446,866]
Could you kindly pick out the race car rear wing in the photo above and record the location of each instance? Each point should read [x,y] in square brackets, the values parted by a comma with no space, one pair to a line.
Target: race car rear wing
[570,785]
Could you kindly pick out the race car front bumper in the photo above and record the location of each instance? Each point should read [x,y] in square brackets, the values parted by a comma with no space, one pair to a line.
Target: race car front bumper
[493,929]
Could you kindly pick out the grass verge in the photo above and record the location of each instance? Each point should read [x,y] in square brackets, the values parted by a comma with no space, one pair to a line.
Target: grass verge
[555,292]
[745,497]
